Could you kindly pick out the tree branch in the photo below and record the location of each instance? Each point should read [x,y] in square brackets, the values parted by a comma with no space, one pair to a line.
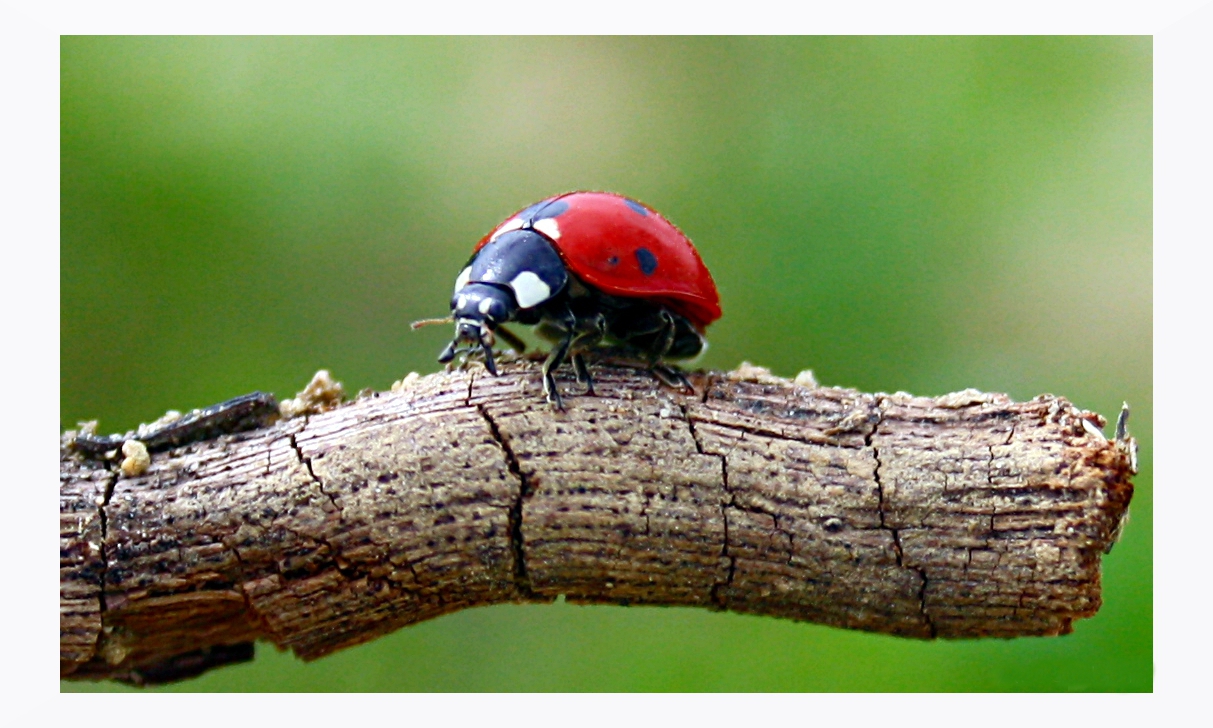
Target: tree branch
[962,516]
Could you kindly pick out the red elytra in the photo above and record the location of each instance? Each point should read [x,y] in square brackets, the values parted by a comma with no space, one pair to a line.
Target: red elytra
[608,240]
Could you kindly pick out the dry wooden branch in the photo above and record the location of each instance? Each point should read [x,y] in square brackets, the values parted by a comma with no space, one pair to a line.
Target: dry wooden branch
[967,515]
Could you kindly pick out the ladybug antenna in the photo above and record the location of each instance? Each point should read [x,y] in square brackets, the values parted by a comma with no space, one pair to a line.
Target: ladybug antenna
[430,322]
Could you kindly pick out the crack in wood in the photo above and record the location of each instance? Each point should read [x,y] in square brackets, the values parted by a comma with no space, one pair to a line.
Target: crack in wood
[111,484]
[249,604]
[307,463]
[102,604]
[467,401]
[716,595]
[898,550]
[522,579]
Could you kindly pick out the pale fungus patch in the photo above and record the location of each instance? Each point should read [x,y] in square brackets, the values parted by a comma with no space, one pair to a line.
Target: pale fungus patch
[136,459]
[167,418]
[806,380]
[409,380]
[321,394]
[747,372]
[964,398]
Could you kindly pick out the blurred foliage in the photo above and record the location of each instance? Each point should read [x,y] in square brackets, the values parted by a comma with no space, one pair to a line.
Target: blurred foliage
[919,214]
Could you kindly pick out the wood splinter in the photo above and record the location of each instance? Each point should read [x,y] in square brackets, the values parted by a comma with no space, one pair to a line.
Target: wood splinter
[967,515]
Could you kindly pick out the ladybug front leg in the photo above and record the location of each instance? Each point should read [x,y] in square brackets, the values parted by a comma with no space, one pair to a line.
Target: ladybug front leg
[561,329]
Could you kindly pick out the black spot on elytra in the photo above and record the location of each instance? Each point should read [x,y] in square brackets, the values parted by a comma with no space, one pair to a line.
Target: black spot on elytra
[613,260]
[529,212]
[543,211]
[648,261]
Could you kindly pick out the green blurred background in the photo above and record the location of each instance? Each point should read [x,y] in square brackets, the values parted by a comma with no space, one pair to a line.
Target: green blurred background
[919,214]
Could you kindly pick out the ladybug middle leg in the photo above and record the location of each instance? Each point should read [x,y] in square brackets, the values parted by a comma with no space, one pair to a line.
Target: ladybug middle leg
[587,340]
[571,334]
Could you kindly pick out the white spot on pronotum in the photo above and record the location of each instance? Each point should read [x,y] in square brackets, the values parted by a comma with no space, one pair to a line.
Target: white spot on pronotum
[463,278]
[507,226]
[549,227]
[529,289]
[461,302]
[485,305]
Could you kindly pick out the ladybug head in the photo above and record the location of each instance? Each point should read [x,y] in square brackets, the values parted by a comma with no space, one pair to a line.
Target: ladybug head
[517,270]
[478,308]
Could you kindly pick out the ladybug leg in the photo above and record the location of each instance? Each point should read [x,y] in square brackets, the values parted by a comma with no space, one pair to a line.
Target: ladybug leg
[554,360]
[449,352]
[575,336]
[648,336]
[672,377]
[669,375]
[583,373]
[587,340]
[664,340]
[563,330]
[489,364]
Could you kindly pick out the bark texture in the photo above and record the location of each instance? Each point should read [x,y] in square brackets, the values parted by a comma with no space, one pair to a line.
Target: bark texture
[961,516]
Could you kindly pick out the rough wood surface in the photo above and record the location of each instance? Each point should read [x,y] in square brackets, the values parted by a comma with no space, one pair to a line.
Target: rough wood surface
[962,516]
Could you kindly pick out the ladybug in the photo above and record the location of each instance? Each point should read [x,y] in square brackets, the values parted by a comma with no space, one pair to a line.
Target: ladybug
[587,269]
